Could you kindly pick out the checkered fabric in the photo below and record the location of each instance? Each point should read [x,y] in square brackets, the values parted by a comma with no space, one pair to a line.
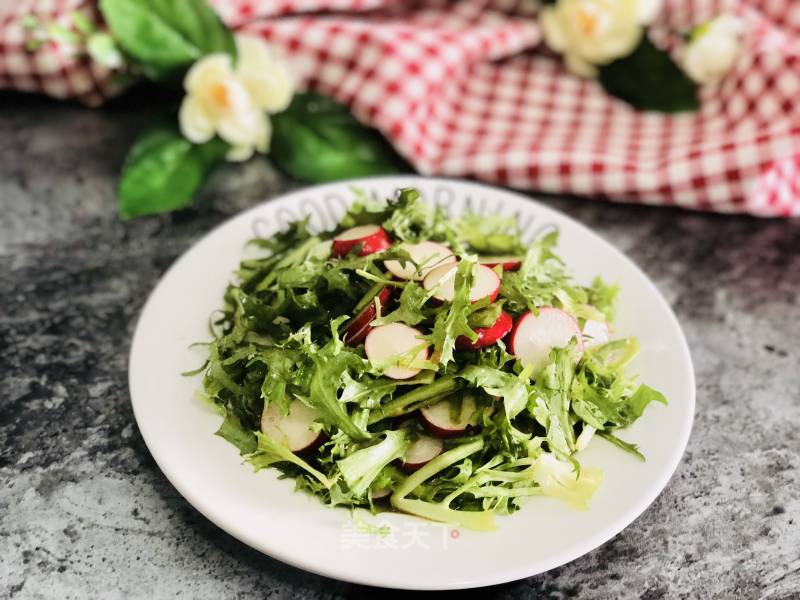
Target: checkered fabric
[467,89]
[58,70]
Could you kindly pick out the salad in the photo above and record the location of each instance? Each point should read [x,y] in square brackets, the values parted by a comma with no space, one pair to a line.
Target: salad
[443,368]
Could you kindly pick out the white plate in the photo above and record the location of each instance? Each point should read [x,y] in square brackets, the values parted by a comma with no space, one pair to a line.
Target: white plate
[265,513]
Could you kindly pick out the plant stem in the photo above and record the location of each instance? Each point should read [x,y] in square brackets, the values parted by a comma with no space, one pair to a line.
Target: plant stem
[367,298]
[419,397]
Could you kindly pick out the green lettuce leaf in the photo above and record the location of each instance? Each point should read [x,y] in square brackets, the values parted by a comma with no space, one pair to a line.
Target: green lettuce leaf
[558,479]
[362,467]
[232,431]
[541,280]
[270,452]
[453,320]
[410,309]
[491,234]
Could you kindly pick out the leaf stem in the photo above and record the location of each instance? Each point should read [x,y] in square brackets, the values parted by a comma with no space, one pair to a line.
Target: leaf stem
[419,397]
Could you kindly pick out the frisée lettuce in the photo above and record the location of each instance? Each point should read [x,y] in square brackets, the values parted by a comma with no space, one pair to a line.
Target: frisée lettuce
[453,390]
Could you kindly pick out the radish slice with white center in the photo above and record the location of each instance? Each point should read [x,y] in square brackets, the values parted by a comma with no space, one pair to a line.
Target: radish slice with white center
[439,420]
[487,335]
[509,263]
[595,333]
[395,339]
[535,335]
[485,283]
[421,451]
[373,238]
[357,329]
[428,255]
[293,430]
[380,493]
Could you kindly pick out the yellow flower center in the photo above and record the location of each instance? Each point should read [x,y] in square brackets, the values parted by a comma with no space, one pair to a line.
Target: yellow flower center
[587,21]
[219,93]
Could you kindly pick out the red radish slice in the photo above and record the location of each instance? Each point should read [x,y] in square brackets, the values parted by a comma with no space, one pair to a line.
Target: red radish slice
[293,430]
[535,335]
[391,340]
[423,450]
[357,329]
[428,255]
[437,418]
[485,283]
[380,493]
[595,333]
[509,263]
[373,238]
[487,335]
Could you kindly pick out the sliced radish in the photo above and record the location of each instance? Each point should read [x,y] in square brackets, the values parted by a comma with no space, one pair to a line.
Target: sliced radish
[509,263]
[428,255]
[595,333]
[443,279]
[372,238]
[487,335]
[357,329]
[534,336]
[293,430]
[380,493]
[438,419]
[421,452]
[395,339]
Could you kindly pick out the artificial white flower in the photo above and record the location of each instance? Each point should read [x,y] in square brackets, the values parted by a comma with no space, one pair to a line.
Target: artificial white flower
[713,49]
[595,32]
[232,102]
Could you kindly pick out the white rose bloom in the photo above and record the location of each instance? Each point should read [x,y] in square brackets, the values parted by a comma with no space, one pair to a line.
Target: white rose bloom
[594,32]
[713,49]
[232,101]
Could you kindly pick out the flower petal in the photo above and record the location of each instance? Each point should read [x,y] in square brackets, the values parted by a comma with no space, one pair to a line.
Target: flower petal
[239,153]
[252,52]
[554,35]
[271,89]
[578,66]
[649,10]
[266,77]
[264,134]
[240,127]
[206,71]
[195,123]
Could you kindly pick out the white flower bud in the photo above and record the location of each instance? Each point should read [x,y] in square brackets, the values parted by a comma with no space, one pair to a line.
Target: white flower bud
[713,49]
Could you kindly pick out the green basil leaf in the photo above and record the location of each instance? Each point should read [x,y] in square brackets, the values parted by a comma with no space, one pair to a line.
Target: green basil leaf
[166,36]
[649,80]
[163,170]
[317,139]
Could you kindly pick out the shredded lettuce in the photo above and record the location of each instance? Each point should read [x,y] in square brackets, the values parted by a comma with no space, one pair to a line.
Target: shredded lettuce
[276,340]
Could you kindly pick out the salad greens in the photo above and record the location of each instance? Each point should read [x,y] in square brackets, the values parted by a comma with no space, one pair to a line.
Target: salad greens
[282,338]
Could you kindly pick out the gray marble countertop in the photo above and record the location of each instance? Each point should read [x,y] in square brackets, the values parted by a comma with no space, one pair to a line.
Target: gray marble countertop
[85,512]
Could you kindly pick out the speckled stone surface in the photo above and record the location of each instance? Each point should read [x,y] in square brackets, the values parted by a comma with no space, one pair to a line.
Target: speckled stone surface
[85,512]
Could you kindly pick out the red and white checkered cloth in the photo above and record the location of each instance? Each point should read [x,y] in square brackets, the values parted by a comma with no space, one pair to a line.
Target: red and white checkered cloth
[467,89]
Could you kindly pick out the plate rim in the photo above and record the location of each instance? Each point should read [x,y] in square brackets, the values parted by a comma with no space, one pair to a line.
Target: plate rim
[601,536]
